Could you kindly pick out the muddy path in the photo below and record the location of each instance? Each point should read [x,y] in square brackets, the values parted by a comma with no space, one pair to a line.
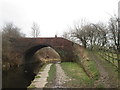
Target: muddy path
[61,77]
[104,75]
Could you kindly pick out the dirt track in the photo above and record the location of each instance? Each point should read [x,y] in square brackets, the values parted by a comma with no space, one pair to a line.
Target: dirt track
[104,76]
[61,77]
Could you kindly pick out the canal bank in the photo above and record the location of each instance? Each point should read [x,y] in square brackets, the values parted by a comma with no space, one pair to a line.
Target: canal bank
[41,78]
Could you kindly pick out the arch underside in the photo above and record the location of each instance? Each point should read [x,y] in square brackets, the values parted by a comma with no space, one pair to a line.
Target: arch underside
[65,55]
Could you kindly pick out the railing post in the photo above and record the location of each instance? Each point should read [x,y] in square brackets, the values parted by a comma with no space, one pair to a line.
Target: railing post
[112,55]
[108,54]
[118,58]
[105,54]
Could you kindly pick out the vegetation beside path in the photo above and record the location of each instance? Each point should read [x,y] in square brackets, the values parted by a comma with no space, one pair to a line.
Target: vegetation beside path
[110,68]
[85,73]
[85,61]
[52,76]
[77,75]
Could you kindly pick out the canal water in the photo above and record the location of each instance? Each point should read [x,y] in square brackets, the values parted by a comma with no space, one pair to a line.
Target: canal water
[20,77]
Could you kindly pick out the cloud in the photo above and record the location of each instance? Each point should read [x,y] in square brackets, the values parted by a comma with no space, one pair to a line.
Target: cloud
[54,16]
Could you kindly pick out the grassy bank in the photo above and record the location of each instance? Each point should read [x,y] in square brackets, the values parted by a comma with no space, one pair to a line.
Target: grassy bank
[52,76]
[111,69]
[86,62]
[77,75]
[90,68]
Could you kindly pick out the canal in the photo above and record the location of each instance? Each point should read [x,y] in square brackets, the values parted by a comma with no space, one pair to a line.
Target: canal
[20,77]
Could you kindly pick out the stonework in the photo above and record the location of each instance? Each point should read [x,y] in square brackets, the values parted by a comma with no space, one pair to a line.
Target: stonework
[28,46]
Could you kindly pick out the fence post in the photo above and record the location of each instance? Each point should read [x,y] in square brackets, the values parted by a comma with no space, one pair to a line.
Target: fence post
[107,52]
[112,55]
[118,58]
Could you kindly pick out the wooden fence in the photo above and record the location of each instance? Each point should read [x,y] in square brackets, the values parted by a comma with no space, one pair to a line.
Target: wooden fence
[110,55]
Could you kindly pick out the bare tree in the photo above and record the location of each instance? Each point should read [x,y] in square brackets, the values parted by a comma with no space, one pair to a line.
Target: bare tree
[90,34]
[100,34]
[68,36]
[80,32]
[65,35]
[113,31]
[35,30]
[9,33]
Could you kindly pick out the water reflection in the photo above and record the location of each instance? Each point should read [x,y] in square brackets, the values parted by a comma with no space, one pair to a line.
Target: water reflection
[20,77]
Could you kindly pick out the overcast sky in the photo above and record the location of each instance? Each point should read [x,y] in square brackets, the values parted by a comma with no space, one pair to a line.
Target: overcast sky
[54,16]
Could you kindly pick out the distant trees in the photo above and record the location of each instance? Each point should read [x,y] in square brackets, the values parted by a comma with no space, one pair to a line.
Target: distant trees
[66,35]
[80,33]
[92,34]
[113,32]
[99,34]
[9,33]
[35,30]
[88,34]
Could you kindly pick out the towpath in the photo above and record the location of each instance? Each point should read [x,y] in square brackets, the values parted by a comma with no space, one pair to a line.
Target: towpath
[41,78]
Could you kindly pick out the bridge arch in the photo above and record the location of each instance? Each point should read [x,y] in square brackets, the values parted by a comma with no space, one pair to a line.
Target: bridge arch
[31,51]
[28,46]
[32,64]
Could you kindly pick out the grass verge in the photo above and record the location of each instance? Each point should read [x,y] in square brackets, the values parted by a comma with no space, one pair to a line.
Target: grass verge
[85,61]
[37,76]
[91,69]
[77,75]
[111,69]
[31,86]
[52,76]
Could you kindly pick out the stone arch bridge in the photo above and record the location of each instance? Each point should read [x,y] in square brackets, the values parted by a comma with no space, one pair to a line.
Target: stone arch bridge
[26,47]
